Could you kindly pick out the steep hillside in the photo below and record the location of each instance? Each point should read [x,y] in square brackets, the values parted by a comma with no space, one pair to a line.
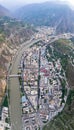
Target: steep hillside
[53,14]
[12,34]
[64,49]
[4,11]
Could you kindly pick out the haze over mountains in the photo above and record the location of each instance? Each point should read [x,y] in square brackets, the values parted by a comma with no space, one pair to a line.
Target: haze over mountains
[54,14]
[4,11]
[13,32]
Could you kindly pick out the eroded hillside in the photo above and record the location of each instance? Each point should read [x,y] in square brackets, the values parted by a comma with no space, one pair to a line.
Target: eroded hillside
[12,34]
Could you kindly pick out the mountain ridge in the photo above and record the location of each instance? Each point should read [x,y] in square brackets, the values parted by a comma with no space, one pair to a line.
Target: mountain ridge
[4,11]
[48,14]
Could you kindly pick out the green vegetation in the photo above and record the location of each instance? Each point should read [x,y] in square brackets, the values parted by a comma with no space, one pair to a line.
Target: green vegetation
[22,93]
[64,90]
[49,54]
[51,82]
[70,75]
[70,99]
[2,38]
[20,80]
[49,50]
[39,77]
[62,46]
[21,83]
[7,120]
[5,103]
[15,27]
[65,119]
[36,43]
[63,50]
[64,62]
[9,94]
[6,128]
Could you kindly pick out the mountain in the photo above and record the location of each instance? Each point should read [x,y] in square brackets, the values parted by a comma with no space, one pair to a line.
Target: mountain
[12,34]
[58,15]
[4,11]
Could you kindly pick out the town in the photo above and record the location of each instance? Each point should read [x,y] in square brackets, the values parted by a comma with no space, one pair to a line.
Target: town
[40,85]
[40,78]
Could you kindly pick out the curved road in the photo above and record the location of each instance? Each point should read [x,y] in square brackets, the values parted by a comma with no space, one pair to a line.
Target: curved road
[13,84]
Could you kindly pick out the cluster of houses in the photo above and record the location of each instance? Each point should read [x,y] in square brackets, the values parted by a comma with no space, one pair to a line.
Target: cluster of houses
[41,97]
[50,87]
[4,122]
[30,76]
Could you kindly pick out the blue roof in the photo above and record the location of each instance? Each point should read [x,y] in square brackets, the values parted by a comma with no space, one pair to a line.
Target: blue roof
[24,99]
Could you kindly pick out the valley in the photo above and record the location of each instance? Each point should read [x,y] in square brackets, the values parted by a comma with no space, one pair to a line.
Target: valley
[12,34]
[27,117]
[37,67]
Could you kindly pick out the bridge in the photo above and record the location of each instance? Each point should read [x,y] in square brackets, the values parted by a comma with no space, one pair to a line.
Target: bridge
[13,76]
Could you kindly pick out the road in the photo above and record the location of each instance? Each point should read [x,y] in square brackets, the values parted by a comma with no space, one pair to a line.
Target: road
[13,84]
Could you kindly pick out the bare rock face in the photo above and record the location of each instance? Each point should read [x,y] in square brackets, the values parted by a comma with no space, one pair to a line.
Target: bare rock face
[5,58]
[2,88]
[13,33]
[7,50]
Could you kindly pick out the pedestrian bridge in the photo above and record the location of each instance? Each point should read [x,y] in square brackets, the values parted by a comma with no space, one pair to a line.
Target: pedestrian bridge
[13,76]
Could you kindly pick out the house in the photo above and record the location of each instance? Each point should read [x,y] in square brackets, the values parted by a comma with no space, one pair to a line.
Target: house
[24,101]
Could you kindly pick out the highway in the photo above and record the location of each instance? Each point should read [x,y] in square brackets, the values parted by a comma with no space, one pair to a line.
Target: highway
[13,85]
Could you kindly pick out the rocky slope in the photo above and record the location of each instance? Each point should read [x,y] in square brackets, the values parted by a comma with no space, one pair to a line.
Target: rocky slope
[12,34]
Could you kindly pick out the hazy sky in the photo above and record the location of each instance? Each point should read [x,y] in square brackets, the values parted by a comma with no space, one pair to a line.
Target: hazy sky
[18,3]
